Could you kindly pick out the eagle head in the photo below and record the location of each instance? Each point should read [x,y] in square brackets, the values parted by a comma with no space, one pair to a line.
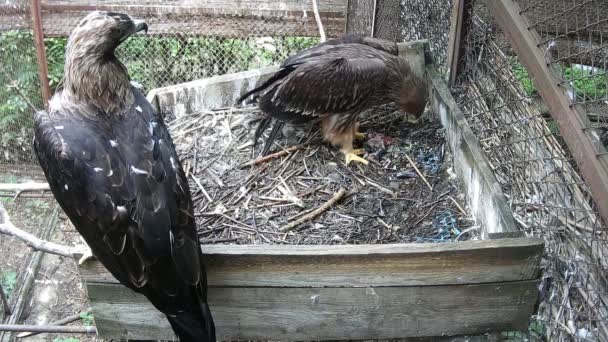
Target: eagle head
[101,32]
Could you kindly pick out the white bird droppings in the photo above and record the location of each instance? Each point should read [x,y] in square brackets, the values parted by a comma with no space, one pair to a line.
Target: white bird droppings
[59,127]
[138,108]
[110,173]
[138,171]
[97,169]
[172,162]
[66,187]
[113,143]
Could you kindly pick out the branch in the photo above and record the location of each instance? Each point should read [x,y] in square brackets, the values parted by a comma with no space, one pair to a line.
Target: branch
[60,322]
[49,329]
[315,9]
[315,213]
[8,228]
[15,86]
[20,187]
[273,156]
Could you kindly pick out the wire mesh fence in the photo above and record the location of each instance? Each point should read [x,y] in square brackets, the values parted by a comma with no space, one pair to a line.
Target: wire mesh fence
[187,41]
[19,85]
[541,181]
[574,35]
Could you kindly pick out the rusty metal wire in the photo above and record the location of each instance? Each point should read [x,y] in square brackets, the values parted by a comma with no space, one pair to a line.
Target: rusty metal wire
[540,179]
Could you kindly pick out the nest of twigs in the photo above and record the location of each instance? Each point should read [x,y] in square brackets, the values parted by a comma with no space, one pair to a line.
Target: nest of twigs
[303,193]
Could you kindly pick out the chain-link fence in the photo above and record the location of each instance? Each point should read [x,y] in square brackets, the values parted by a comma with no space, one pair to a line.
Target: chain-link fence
[538,175]
[19,86]
[188,40]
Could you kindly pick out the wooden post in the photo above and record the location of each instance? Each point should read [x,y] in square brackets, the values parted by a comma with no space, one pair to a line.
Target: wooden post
[571,119]
[43,72]
[459,27]
[360,17]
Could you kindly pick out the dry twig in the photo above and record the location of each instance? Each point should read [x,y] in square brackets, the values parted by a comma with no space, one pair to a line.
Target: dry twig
[418,171]
[275,155]
[315,213]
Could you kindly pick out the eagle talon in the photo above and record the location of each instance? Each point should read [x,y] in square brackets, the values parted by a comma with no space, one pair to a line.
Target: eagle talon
[352,156]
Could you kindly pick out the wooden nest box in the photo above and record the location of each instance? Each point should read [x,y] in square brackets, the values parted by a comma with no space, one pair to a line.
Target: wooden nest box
[278,292]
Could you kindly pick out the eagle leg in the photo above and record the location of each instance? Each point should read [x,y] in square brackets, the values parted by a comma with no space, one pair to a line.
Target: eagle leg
[352,156]
[358,135]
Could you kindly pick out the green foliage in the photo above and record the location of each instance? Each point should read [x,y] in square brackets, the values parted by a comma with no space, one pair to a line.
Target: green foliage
[587,83]
[87,318]
[522,76]
[152,62]
[9,282]
[66,339]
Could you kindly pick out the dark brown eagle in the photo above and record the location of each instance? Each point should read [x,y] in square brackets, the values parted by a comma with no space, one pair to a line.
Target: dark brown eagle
[112,166]
[335,81]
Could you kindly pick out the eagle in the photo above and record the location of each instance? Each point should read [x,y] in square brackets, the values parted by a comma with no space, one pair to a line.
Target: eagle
[332,83]
[111,164]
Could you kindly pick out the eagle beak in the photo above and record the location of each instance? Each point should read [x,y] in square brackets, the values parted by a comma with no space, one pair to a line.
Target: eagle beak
[140,25]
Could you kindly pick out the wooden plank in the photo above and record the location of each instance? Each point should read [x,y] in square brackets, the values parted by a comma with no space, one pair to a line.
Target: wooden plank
[483,192]
[206,22]
[360,17]
[570,119]
[459,27]
[363,265]
[328,313]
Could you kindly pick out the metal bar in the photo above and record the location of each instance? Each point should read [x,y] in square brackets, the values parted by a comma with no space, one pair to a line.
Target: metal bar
[43,72]
[48,329]
[570,119]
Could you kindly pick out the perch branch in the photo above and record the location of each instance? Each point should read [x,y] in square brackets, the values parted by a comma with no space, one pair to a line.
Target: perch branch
[63,321]
[49,329]
[8,228]
[20,187]
[315,9]
[315,213]
[273,156]
[418,171]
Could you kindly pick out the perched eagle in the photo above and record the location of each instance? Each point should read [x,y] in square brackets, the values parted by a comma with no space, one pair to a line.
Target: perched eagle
[332,83]
[112,166]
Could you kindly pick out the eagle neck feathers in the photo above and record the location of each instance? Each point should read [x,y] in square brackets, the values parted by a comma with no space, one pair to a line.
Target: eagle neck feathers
[100,81]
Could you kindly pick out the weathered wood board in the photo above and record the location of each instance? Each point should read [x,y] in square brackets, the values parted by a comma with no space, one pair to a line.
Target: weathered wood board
[266,313]
[482,191]
[343,292]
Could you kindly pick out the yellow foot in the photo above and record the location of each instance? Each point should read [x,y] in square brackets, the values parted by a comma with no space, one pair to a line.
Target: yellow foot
[353,156]
[359,135]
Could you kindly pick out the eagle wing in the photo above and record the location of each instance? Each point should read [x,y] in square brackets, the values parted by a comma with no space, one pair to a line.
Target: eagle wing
[341,81]
[122,186]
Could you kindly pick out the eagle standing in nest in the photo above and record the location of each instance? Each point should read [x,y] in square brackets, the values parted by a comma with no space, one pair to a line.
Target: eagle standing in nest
[112,166]
[332,83]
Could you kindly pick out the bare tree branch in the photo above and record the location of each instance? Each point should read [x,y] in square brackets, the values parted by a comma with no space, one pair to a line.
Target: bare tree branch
[20,187]
[8,228]
[315,9]
[49,329]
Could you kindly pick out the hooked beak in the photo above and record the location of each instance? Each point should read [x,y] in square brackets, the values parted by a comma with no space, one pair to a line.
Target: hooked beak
[140,25]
